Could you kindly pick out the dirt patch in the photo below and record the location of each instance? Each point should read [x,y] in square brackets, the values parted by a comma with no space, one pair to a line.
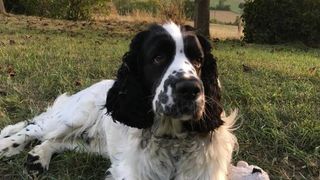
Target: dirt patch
[122,25]
[45,24]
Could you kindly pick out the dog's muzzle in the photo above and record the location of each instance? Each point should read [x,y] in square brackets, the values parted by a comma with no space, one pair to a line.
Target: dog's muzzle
[187,99]
[188,90]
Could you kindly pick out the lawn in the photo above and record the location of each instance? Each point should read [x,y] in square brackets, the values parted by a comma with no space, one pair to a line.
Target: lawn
[277,93]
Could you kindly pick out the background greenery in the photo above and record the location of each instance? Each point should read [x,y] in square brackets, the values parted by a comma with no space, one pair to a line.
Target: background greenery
[60,9]
[265,21]
[278,21]
[233,4]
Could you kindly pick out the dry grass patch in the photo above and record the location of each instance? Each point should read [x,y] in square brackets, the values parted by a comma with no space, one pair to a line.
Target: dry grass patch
[224,16]
[223,32]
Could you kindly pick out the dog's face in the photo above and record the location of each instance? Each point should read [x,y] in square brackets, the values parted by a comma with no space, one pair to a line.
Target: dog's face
[172,61]
[167,64]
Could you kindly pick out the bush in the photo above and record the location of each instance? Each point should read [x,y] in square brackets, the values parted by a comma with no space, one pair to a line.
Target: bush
[169,9]
[61,9]
[221,6]
[189,9]
[82,9]
[14,6]
[279,21]
[125,7]
[172,10]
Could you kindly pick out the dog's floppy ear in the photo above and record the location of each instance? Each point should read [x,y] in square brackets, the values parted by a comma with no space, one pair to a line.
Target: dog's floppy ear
[209,75]
[128,101]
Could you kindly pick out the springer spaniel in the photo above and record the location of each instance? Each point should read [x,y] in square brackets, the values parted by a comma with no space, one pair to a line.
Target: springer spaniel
[160,119]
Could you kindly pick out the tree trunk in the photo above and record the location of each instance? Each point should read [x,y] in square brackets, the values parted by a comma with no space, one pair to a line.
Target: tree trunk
[2,8]
[202,17]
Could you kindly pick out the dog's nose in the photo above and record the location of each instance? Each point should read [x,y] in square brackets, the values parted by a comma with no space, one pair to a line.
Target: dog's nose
[188,89]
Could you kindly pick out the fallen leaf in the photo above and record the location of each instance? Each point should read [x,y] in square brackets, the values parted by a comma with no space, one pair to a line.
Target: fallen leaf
[11,42]
[11,72]
[246,68]
[312,70]
[78,83]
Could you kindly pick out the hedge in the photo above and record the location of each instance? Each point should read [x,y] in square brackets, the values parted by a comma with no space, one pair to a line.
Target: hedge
[280,21]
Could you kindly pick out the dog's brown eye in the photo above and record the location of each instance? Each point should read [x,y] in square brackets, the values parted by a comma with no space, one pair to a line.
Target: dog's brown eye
[197,63]
[159,59]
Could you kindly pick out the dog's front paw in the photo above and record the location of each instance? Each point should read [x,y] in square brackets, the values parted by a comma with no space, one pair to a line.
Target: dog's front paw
[9,147]
[37,161]
[34,165]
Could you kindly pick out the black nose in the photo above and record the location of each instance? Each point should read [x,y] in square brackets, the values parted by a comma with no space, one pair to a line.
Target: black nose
[188,89]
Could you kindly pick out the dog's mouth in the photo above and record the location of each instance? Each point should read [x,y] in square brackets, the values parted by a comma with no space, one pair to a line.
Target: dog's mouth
[185,110]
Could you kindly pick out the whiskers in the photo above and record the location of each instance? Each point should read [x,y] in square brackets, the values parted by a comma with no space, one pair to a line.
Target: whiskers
[211,101]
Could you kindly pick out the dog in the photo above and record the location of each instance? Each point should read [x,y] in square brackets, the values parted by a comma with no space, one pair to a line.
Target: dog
[160,119]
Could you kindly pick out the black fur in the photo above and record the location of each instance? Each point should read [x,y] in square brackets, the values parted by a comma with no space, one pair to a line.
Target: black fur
[128,101]
[209,75]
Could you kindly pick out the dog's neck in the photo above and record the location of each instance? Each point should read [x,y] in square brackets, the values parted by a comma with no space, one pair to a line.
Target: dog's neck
[164,127]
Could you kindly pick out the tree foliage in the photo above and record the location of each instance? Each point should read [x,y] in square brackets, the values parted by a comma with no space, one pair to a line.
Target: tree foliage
[62,9]
[278,21]
[221,6]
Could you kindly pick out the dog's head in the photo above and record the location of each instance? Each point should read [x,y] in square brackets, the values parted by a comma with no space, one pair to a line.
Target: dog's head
[168,73]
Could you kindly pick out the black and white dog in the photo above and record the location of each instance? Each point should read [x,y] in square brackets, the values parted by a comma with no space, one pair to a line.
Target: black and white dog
[160,119]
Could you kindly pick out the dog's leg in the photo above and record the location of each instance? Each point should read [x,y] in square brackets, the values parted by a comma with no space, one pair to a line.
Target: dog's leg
[7,142]
[68,119]
[68,114]
[39,157]
[12,129]
[15,137]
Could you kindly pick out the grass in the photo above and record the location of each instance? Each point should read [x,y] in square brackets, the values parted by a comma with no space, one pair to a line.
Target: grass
[278,96]
[279,103]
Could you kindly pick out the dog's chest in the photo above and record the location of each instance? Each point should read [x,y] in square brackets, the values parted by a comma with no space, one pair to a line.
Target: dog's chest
[172,158]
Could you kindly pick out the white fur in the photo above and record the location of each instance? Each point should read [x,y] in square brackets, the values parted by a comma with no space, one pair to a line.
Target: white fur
[178,64]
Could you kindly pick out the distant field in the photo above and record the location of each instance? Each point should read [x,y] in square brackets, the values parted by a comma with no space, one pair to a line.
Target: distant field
[278,97]
[219,31]
[234,4]
[224,16]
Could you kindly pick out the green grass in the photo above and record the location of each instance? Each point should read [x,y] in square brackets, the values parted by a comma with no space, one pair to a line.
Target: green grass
[279,106]
[279,98]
